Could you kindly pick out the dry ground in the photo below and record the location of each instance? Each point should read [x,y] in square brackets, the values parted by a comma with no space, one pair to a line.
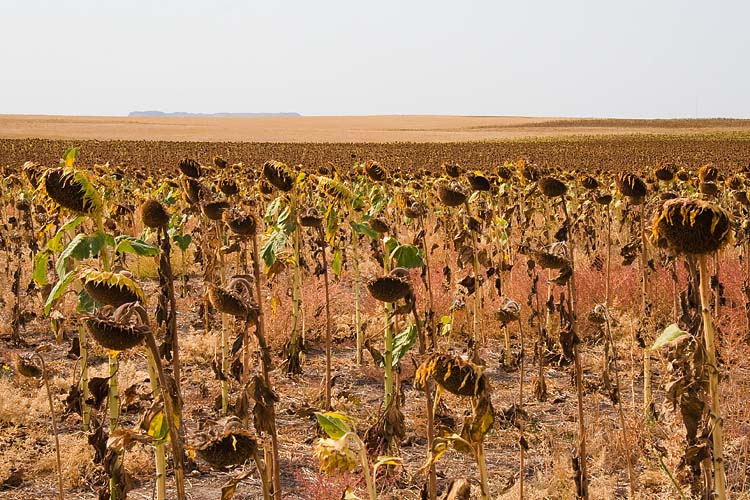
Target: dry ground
[377,129]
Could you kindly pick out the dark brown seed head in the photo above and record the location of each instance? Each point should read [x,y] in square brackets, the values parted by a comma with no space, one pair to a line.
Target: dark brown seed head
[708,173]
[380,225]
[741,197]
[451,194]
[108,288]
[265,187]
[375,171]
[452,374]
[153,214]
[588,182]
[388,288]
[228,187]
[114,335]
[214,209]
[227,302]
[504,172]
[603,199]
[735,182]
[310,218]
[708,188]
[691,226]
[631,186]
[664,173]
[452,169]
[190,168]
[552,187]
[68,192]
[683,176]
[548,260]
[279,175]
[478,182]
[228,449]
[239,223]
[220,162]
[530,172]
[27,368]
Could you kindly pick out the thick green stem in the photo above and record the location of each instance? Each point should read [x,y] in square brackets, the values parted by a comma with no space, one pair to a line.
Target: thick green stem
[709,337]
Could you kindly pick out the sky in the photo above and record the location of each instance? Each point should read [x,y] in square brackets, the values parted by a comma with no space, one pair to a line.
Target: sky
[599,58]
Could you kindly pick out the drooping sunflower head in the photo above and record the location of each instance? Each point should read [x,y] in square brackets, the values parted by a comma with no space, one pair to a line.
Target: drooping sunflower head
[451,194]
[190,168]
[214,209]
[239,223]
[478,181]
[108,288]
[389,288]
[226,445]
[691,226]
[71,189]
[375,171]
[632,186]
[551,187]
[279,175]
[114,335]
[153,214]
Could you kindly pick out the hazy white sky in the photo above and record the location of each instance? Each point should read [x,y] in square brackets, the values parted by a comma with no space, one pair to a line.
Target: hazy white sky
[639,58]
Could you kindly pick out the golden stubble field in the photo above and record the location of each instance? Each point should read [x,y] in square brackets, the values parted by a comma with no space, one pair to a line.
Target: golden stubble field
[372,129]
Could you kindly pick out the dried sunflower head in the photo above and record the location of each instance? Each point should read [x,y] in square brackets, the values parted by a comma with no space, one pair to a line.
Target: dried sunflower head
[631,186]
[229,187]
[310,218]
[389,288]
[153,214]
[692,226]
[189,168]
[279,175]
[509,311]
[664,173]
[214,209]
[588,182]
[114,335]
[478,181]
[227,446]
[452,169]
[109,288]
[552,187]
[239,223]
[708,173]
[375,171]
[451,194]
[71,189]
[26,367]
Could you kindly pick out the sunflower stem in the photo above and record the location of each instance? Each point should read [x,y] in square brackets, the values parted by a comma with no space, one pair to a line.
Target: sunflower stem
[717,434]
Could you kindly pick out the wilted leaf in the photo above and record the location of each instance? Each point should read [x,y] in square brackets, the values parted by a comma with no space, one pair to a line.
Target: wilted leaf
[670,333]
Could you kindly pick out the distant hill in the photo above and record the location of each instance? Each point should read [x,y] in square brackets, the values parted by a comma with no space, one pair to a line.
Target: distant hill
[183,114]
